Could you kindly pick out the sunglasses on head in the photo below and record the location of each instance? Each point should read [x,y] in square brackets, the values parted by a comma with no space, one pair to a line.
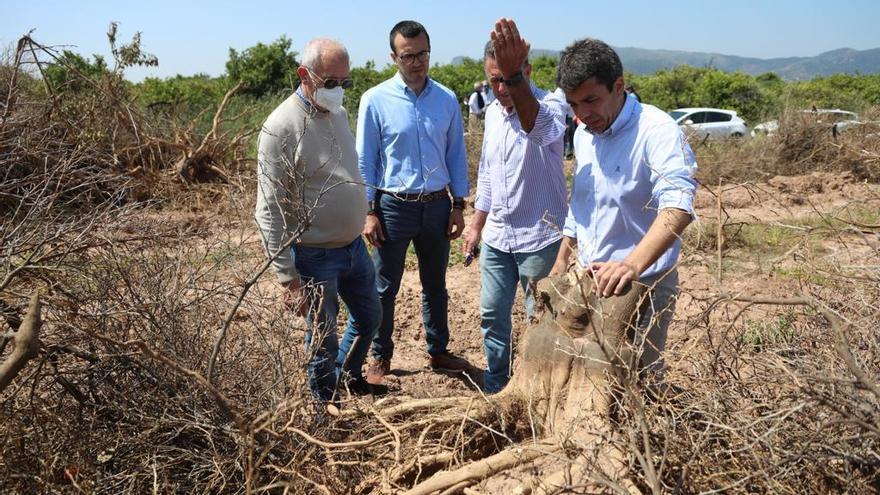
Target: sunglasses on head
[346,83]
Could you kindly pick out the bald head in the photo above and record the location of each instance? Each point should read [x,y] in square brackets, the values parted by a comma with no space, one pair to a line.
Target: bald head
[322,52]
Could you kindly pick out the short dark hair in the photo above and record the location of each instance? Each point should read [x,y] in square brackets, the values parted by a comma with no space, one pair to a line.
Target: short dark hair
[409,30]
[489,52]
[588,58]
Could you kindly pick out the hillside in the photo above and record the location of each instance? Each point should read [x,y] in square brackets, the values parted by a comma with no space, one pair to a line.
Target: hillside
[649,61]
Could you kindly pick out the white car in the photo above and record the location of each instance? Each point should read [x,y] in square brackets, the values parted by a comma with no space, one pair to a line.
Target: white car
[711,123]
[837,119]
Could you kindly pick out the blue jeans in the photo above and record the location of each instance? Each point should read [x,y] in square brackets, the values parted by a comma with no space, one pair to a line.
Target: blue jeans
[425,225]
[499,273]
[348,273]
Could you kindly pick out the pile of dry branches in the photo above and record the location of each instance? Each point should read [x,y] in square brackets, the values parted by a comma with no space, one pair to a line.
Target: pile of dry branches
[164,362]
[801,145]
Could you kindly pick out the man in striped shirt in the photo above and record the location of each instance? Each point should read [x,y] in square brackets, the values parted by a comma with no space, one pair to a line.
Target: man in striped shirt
[520,203]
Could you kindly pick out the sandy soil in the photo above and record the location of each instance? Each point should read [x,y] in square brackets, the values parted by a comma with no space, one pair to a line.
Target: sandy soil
[780,200]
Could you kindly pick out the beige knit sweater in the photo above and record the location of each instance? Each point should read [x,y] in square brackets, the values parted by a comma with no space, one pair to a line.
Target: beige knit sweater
[308,182]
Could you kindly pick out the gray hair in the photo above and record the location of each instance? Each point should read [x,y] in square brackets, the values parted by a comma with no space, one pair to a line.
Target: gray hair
[318,49]
[489,52]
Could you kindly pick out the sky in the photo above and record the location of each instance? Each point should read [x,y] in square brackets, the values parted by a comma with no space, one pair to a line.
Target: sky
[191,37]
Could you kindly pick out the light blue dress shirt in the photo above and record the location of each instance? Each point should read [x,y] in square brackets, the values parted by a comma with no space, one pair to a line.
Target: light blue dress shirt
[521,184]
[624,177]
[411,144]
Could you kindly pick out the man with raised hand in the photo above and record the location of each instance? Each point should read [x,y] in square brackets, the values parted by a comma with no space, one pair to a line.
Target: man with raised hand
[309,186]
[410,142]
[521,204]
[632,195]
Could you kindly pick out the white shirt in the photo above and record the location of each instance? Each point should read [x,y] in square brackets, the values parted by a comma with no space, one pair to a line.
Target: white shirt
[640,165]
[473,104]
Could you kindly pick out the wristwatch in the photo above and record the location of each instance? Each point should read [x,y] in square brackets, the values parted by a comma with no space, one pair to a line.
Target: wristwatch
[514,79]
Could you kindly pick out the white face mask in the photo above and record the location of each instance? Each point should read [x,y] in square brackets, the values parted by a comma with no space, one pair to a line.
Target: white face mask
[330,99]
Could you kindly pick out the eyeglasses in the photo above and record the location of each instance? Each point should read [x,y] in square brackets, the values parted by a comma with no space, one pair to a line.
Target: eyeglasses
[409,58]
[346,83]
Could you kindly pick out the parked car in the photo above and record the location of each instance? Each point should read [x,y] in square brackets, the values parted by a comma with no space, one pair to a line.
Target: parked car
[712,123]
[836,119]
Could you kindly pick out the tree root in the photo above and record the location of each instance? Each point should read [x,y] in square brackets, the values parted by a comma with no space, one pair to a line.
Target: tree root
[27,344]
[562,390]
[484,468]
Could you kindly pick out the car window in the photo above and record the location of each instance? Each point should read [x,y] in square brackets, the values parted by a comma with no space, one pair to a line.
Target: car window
[718,117]
[677,114]
[697,117]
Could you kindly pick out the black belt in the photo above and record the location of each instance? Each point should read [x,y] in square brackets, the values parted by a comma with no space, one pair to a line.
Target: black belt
[427,197]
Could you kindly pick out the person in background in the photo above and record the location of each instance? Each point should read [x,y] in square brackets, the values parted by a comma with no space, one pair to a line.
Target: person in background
[476,106]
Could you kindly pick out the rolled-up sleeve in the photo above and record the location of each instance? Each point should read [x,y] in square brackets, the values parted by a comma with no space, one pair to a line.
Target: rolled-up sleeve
[549,123]
[570,227]
[483,201]
[673,167]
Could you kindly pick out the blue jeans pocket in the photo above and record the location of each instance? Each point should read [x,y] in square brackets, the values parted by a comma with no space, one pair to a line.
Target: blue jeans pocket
[310,253]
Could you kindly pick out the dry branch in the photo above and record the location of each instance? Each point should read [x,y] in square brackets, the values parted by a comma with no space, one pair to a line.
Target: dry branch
[26,344]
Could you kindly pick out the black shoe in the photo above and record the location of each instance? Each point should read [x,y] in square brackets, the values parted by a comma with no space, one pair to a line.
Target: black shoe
[358,386]
[447,361]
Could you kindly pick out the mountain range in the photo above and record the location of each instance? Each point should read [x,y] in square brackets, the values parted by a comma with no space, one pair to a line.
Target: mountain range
[648,61]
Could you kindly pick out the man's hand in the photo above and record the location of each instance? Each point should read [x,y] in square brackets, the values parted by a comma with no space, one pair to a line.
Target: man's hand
[511,51]
[456,224]
[612,277]
[560,266]
[294,298]
[471,240]
[373,231]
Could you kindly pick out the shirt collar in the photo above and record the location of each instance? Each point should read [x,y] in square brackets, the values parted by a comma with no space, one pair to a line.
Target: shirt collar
[302,97]
[623,118]
[401,85]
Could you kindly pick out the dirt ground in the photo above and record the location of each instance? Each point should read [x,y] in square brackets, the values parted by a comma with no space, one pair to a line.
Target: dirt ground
[781,200]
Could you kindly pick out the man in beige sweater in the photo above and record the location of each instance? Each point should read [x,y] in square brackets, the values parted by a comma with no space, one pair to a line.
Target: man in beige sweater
[311,206]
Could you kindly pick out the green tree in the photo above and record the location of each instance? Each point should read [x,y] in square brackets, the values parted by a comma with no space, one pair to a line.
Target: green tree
[264,68]
[544,72]
[736,91]
[459,78]
[62,73]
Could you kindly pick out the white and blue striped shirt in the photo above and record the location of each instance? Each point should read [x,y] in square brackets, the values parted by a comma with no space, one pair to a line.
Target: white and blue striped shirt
[521,184]
[640,165]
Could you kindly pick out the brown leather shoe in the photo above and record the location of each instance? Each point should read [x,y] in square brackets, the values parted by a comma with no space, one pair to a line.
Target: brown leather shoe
[377,370]
[448,362]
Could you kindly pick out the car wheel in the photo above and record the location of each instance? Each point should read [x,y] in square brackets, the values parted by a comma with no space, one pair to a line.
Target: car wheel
[736,135]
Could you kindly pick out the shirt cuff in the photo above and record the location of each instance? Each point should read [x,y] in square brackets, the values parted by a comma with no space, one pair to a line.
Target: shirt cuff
[482,203]
[682,200]
[570,228]
[286,275]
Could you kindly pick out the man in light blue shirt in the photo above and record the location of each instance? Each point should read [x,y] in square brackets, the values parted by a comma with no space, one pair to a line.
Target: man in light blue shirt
[520,205]
[633,191]
[410,143]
